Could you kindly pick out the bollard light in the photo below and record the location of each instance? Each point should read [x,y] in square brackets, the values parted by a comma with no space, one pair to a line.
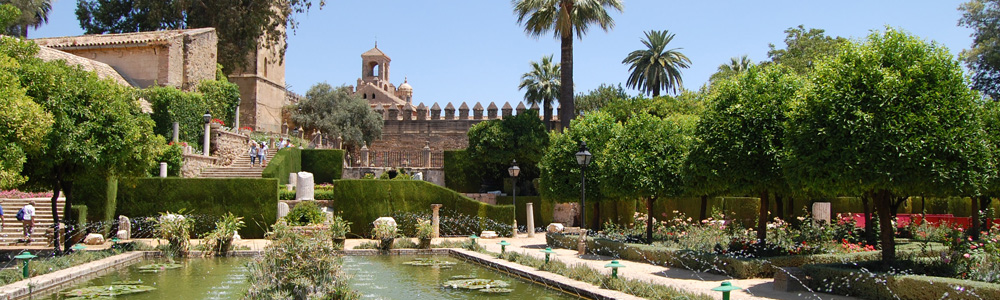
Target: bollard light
[79,247]
[115,240]
[614,265]
[26,257]
[473,238]
[548,251]
[503,246]
[725,288]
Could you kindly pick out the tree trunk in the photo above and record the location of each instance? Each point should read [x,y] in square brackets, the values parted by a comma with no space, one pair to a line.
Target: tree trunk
[984,204]
[68,191]
[762,220]
[975,228]
[790,210]
[869,227]
[597,216]
[779,206]
[703,212]
[567,108]
[882,204]
[55,214]
[649,219]
[547,113]
[896,203]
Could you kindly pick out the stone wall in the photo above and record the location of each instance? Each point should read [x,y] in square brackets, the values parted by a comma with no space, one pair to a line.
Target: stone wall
[199,50]
[410,128]
[227,146]
[194,164]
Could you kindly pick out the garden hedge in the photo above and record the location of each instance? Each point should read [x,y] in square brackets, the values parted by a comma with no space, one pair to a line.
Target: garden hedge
[326,165]
[287,160]
[841,280]
[99,195]
[361,201]
[739,268]
[460,173]
[256,200]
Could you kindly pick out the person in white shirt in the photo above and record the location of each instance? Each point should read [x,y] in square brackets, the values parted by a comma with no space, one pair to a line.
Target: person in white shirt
[29,220]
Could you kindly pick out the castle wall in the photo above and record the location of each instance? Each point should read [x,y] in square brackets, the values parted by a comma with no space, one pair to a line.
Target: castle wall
[139,65]
[200,58]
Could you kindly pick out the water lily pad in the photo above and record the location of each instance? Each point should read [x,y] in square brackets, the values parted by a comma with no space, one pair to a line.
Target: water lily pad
[496,290]
[463,277]
[429,263]
[153,268]
[106,291]
[475,284]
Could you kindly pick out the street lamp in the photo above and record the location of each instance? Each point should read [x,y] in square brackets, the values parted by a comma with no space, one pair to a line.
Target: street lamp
[583,159]
[513,171]
[208,119]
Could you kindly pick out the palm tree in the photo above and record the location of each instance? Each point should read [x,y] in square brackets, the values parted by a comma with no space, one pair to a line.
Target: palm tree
[34,13]
[734,67]
[563,17]
[656,67]
[542,84]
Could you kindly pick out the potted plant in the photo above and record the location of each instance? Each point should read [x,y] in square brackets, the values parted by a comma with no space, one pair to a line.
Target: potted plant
[424,231]
[338,230]
[386,233]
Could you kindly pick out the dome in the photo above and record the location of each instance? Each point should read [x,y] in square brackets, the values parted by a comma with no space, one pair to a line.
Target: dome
[405,86]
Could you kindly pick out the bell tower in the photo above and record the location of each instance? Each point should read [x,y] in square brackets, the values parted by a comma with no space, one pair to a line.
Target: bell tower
[375,66]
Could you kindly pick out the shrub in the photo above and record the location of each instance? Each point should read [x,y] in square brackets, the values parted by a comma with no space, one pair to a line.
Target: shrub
[298,267]
[326,165]
[220,240]
[339,227]
[255,200]
[45,265]
[286,161]
[460,173]
[176,229]
[305,213]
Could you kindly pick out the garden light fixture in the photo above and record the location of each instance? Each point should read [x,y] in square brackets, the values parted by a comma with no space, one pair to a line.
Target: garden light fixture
[725,288]
[548,251]
[614,265]
[26,257]
[503,246]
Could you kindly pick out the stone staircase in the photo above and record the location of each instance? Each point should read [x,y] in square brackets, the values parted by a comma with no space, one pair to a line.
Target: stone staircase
[12,233]
[239,169]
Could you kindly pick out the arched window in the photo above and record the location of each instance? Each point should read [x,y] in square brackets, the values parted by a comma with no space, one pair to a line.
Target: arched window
[374,69]
[373,95]
[364,96]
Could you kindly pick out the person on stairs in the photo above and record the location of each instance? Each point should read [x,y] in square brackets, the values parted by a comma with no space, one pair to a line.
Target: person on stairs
[253,153]
[28,220]
[262,154]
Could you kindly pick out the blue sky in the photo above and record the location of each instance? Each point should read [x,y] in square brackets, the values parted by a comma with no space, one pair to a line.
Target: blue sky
[474,51]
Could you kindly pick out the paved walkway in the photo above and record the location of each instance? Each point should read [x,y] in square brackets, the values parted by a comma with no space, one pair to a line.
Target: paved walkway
[696,282]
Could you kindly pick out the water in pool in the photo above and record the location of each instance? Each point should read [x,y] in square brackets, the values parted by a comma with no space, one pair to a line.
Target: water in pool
[198,278]
[387,277]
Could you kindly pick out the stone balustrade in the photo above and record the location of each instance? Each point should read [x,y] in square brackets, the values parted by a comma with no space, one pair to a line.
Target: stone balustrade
[478,112]
[194,163]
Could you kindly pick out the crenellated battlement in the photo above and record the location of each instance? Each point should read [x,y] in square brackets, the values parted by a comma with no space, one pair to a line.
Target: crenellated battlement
[423,113]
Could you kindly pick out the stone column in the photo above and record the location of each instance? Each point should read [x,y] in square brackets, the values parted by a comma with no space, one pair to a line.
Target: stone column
[427,154]
[282,210]
[821,212]
[177,129]
[304,188]
[208,131]
[364,156]
[236,121]
[530,210]
[292,181]
[435,220]
[340,142]
[163,170]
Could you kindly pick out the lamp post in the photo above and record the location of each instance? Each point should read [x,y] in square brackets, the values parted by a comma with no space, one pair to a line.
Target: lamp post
[236,119]
[548,251]
[208,120]
[503,246]
[513,171]
[583,159]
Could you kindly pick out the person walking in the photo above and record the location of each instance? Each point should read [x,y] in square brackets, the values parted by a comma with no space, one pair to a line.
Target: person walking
[262,154]
[253,153]
[28,220]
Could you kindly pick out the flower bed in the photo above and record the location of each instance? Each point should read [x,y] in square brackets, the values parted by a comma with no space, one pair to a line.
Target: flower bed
[740,268]
[858,281]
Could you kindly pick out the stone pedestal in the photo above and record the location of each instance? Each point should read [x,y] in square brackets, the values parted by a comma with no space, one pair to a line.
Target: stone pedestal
[124,224]
[176,136]
[581,245]
[293,178]
[435,220]
[282,210]
[163,170]
[530,211]
[821,212]
[364,155]
[304,186]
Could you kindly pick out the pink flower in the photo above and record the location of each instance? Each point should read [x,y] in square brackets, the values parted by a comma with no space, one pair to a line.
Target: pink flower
[966,255]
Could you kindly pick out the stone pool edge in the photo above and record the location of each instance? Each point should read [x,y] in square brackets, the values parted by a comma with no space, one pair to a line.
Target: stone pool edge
[45,284]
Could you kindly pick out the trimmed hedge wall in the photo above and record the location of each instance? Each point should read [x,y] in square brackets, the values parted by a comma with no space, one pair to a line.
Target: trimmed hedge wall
[99,195]
[840,280]
[256,200]
[542,209]
[326,165]
[361,201]
[459,173]
[740,268]
[287,160]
